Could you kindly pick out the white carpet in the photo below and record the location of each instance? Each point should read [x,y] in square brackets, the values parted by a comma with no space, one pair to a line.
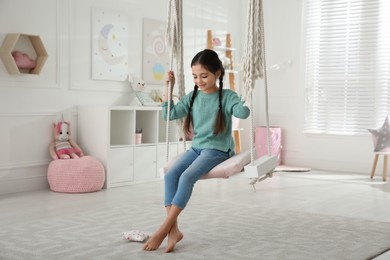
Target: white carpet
[211,231]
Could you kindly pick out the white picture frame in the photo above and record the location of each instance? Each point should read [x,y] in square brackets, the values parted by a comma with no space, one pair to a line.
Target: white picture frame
[109,45]
[155,60]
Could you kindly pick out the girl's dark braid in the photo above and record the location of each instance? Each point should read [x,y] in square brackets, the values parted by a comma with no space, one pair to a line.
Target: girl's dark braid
[220,123]
[188,120]
[220,91]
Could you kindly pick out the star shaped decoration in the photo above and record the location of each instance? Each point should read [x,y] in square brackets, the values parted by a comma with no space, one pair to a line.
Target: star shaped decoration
[381,137]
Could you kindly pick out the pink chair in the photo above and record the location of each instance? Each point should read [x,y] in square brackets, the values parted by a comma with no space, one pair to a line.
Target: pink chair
[261,144]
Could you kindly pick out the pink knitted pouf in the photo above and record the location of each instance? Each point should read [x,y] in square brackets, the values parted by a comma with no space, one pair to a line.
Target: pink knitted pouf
[85,174]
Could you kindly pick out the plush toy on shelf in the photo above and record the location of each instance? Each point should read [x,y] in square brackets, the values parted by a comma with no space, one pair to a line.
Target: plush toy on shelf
[63,147]
[23,61]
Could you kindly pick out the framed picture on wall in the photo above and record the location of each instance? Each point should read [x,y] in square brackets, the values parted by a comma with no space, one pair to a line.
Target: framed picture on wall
[109,45]
[155,60]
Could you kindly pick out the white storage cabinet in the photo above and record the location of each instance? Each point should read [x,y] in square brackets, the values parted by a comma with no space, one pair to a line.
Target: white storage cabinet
[108,133]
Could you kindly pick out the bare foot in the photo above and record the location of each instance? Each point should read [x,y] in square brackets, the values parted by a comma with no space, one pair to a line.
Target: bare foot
[174,237]
[171,221]
[154,241]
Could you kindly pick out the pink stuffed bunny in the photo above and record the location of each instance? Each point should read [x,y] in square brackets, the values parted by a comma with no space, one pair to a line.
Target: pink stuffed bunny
[63,147]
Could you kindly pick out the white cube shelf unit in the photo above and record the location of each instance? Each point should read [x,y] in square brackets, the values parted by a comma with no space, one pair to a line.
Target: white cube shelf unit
[108,133]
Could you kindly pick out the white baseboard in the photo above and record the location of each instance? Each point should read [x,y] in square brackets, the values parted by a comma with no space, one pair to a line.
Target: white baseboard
[23,185]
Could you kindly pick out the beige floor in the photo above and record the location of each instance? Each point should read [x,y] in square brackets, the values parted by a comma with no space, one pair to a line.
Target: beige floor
[336,194]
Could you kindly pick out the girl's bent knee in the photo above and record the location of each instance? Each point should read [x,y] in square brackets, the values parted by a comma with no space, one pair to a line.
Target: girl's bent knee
[188,180]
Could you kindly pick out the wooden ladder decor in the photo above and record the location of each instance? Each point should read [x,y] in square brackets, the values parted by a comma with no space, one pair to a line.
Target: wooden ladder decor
[229,55]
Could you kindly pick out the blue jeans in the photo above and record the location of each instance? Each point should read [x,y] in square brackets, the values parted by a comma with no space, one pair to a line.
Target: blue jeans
[181,177]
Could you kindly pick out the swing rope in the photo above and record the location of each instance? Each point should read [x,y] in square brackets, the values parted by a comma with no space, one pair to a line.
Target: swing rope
[251,127]
[252,59]
[265,82]
[254,65]
[174,39]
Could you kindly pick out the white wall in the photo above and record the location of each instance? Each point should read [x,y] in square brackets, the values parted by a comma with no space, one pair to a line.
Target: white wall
[30,103]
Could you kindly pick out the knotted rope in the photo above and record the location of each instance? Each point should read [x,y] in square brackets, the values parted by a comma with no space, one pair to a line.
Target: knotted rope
[174,39]
[254,64]
[253,57]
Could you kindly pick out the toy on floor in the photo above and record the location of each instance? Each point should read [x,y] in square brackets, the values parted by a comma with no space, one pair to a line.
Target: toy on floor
[63,147]
[135,236]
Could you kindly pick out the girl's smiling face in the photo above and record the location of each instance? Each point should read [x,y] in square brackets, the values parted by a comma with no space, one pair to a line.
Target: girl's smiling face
[204,79]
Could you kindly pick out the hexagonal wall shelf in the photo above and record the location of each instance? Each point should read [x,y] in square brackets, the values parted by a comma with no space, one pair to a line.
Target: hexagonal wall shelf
[9,46]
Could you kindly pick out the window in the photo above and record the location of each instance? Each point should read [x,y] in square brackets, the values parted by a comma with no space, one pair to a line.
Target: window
[347,57]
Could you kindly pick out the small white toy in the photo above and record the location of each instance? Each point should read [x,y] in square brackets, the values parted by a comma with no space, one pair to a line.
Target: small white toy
[135,236]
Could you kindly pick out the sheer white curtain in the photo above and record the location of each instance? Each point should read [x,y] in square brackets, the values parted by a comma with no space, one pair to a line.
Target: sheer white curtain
[347,58]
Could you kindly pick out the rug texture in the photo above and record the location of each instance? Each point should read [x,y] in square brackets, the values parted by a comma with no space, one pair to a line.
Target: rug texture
[211,231]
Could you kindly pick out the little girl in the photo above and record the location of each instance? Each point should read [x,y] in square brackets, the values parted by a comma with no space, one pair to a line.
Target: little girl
[208,110]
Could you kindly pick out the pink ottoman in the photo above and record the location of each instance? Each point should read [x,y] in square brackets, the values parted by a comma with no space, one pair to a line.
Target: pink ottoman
[85,174]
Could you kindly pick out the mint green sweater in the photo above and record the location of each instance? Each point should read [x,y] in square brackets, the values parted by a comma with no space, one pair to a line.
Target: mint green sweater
[204,112]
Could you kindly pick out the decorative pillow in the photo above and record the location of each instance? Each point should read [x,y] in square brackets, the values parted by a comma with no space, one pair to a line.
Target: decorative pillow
[227,168]
[381,137]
